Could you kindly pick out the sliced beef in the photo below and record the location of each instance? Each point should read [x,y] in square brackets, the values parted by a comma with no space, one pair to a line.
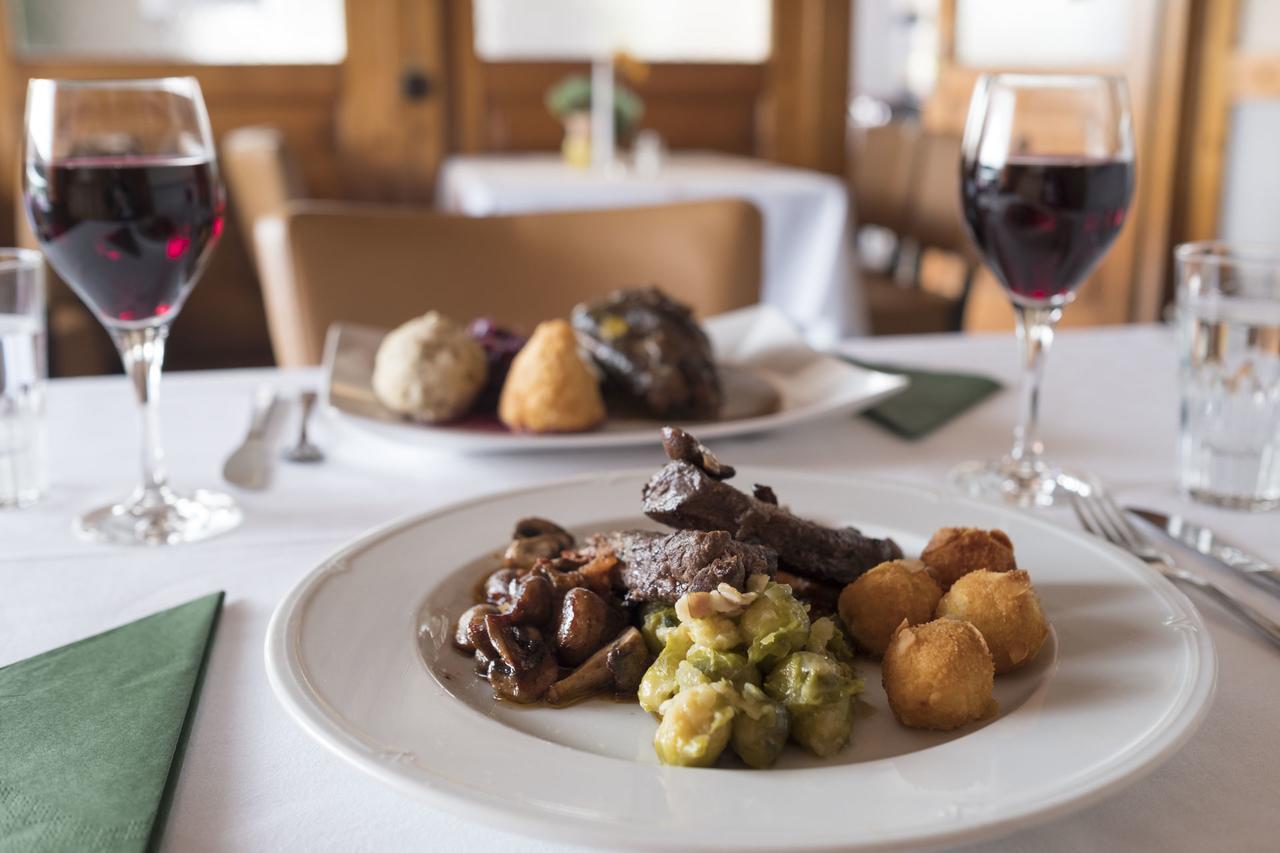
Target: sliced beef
[664,566]
[652,351]
[686,497]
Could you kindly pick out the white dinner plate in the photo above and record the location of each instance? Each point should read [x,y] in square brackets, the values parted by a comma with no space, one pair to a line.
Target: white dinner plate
[1124,679]
[756,347]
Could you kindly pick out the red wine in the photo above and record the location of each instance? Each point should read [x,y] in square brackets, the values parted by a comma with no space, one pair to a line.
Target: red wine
[128,234]
[1045,222]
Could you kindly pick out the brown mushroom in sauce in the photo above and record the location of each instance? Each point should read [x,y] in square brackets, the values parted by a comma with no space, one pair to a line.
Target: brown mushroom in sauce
[584,617]
[683,447]
[613,667]
[497,587]
[470,634]
[535,539]
[524,668]
[532,599]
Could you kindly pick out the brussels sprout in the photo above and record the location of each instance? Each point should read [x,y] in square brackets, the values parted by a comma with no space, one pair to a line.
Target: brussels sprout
[808,679]
[656,622]
[702,665]
[696,725]
[775,625]
[760,728]
[823,729]
[818,693]
[659,681]
[827,637]
[714,632]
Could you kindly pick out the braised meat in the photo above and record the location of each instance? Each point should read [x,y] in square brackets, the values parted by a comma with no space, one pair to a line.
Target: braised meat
[664,566]
[652,351]
[687,497]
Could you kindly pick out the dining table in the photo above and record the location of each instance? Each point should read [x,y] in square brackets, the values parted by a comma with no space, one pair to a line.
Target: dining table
[807,267]
[253,780]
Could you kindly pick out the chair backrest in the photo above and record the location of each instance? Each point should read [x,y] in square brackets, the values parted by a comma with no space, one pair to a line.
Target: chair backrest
[936,213]
[261,175]
[381,266]
[883,164]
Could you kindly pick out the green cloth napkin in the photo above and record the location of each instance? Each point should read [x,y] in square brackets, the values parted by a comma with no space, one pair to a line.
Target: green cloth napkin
[92,734]
[933,398]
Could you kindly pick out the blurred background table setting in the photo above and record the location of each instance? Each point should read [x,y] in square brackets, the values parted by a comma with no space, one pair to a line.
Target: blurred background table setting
[936,269]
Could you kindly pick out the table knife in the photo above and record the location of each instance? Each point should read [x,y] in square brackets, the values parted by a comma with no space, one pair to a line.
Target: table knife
[249,467]
[1204,541]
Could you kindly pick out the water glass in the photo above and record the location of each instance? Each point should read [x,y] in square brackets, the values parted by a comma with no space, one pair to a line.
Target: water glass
[23,371]
[1229,320]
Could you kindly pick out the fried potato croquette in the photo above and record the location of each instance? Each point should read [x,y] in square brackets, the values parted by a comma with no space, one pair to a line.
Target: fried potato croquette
[550,388]
[874,604]
[1005,609]
[938,675]
[953,552]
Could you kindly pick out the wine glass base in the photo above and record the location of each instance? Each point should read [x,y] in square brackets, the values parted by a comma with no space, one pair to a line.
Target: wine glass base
[161,517]
[1017,482]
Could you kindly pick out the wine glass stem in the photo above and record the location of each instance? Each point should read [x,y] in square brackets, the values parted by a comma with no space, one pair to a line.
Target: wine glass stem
[1035,337]
[142,352]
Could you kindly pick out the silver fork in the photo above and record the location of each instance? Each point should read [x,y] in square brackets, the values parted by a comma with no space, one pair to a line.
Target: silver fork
[1101,517]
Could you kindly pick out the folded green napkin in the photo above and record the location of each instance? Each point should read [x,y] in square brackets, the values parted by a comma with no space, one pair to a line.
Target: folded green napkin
[92,734]
[933,398]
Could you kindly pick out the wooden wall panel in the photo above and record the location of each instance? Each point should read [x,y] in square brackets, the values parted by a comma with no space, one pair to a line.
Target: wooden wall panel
[806,106]
[1208,99]
[391,106]
[792,108]
[693,106]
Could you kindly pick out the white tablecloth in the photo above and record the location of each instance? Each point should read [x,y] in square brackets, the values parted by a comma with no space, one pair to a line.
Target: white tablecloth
[807,269]
[253,781]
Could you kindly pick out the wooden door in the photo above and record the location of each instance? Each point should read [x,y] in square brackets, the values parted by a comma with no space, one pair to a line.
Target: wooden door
[1228,176]
[1130,283]
[370,126]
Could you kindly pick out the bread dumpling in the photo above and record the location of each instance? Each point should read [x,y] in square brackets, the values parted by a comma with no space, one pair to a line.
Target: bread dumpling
[550,388]
[429,369]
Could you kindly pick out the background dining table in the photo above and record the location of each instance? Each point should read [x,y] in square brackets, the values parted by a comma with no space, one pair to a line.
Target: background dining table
[807,267]
[252,780]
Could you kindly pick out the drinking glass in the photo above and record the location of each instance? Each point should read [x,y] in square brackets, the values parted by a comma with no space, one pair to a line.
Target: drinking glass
[23,471]
[1229,330]
[121,186]
[1046,176]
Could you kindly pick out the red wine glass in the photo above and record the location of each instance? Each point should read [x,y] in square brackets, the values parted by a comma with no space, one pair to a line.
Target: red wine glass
[1046,177]
[120,182]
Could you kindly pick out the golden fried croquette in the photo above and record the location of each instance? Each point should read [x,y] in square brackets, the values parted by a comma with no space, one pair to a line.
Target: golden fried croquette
[1005,609]
[938,675]
[874,604]
[953,552]
[550,388]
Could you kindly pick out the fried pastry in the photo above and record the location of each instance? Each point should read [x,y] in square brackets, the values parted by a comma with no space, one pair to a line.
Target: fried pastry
[1004,607]
[549,387]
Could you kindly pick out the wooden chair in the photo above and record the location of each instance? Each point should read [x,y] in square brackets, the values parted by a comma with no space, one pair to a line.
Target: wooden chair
[260,174]
[331,261]
[907,181]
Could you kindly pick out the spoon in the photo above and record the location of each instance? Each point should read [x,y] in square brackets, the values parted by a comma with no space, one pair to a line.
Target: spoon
[304,450]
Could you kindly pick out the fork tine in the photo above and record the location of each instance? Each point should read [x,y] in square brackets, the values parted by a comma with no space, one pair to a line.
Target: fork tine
[1088,518]
[1118,517]
[1102,520]
[1109,510]
[1085,521]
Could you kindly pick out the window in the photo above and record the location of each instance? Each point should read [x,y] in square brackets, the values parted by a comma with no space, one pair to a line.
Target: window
[1044,33]
[208,32]
[650,30]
